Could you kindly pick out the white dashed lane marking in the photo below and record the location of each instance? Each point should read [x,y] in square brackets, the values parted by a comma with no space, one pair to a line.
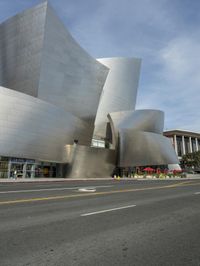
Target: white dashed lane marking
[108,210]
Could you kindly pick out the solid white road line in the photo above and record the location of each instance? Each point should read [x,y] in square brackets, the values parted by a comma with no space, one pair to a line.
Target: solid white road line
[197,193]
[51,189]
[108,210]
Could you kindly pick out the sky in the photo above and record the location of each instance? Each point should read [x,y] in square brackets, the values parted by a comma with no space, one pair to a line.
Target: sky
[165,34]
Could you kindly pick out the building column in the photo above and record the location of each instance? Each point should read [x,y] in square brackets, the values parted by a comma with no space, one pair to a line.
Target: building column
[24,170]
[9,169]
[33,171]
[51,170]
[183,144]
[197,147]
[175,145]
[190,144]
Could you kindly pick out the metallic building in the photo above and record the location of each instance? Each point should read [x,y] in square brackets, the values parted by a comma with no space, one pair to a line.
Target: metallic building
[21,43]
[69,77]
[39,57]
[138,136]
[55,98]
[86,162]
[32,128]
[141,120]
[119,92]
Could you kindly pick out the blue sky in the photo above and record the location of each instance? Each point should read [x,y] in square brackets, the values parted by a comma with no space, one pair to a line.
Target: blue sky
[164,33]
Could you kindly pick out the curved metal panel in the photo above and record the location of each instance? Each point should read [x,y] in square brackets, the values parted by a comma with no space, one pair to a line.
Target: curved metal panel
[88,162]
[21,42]
[70,78]
[139,148]
[120,90]
[39,57]
[144,120]
[137,137]
[32,128]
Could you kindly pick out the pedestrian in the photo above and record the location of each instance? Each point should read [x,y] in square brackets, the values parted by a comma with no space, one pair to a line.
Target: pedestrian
[15,174]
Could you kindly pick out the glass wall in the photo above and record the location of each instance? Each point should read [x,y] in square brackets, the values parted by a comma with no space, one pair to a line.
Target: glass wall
[193,144]
[4,167]
[187,145]
[98,143]
[27,168]
[179,145]
[198,141]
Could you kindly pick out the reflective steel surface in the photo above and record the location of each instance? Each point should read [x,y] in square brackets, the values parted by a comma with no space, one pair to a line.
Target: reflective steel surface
[88,162]
[69,78]
[120,90]
[32,128]
[137,136]
[39,57]
[138,148]
[55,88]
[144,120]
[21,43]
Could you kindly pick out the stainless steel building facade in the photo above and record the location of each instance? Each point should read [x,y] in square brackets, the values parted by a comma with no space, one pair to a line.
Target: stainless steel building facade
[119,92]
[55,98]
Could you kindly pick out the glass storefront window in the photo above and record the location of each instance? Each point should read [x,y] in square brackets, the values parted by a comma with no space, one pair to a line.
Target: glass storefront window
[179,145]
[27,168]
[187,145]
[193,145]
[3,167]
[198,144]
[98,143]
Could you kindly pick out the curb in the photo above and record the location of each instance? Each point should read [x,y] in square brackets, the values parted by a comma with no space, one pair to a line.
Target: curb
[58,180]
[14,181]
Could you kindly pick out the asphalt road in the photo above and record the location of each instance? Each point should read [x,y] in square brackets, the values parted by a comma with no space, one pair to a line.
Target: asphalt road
[93,223]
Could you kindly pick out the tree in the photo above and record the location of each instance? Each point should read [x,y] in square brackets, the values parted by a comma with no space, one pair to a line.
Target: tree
[191,159]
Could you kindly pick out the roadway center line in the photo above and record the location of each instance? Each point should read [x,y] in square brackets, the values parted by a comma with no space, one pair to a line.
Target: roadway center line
[108,210]
[101,193]
[52,189]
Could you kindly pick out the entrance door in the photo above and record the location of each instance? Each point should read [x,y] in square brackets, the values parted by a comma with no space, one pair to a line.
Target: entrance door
[16,170]
[30,170]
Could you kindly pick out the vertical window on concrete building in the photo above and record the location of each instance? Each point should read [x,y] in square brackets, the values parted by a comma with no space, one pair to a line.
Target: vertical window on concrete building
[193,145]
[187,145]
[198,144]
[179,145]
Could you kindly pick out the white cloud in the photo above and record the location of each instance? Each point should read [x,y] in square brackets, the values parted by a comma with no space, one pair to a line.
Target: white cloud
[176,85]
[180,59]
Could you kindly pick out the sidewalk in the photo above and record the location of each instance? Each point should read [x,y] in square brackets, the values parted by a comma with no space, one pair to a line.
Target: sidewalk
[29,180]
[34,180]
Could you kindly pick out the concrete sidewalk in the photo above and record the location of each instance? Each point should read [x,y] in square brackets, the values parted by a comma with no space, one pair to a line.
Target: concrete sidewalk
[29,180]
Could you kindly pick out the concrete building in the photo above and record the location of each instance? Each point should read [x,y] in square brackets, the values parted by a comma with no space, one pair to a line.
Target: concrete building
[57,100]
[183,141]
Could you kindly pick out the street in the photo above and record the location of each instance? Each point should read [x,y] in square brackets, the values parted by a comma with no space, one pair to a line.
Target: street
[91,223]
